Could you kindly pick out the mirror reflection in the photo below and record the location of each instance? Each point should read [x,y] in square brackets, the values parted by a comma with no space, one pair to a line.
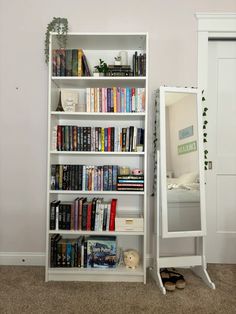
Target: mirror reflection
[182,163]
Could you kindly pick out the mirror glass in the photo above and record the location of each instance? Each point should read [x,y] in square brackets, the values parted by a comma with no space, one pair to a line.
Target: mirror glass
[182,162]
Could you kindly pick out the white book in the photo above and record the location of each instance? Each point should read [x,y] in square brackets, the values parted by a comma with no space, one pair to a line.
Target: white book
[57,218]
[54,138]
[91,99]
[98,204]
[134,144]
[108,215]
[101,212]
[82,255]
[88,109]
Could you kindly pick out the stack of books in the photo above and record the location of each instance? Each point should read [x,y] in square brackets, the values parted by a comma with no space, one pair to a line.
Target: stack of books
[119,70]
[130,182]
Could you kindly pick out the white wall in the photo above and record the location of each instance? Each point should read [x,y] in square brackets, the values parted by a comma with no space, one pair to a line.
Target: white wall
[23,88]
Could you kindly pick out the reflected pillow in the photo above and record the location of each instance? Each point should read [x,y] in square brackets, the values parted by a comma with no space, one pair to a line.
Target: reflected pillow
[189,177]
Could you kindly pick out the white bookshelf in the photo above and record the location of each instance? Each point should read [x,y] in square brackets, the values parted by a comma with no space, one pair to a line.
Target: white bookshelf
[105,46]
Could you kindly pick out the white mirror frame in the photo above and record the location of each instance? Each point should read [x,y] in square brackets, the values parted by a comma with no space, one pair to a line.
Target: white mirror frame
[163,190]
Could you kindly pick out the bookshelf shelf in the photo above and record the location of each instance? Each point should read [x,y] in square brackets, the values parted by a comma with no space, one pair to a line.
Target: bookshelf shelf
[82,82]
[120,273]
[99,233]
[97,153]
[129,116]
[97,192]
[129,93]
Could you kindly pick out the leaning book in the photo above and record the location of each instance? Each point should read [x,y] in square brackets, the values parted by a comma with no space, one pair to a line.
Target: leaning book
[101,252]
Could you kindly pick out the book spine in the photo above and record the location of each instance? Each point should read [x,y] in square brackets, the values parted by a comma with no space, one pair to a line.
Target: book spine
[109,139]
[114,177]
[80,62]
[115,98]
[113,215]
[100,100]
[54,62]
[58,62]
[93,215]
[108,216]
[92,99]
[88,139]
[68,62]
[80,211]
[124,134]
[127,100]
[118,107]
[104,223]
[102,140]
[74,62]
[112,100]
[109,178]
[105,178]
[85,65]
[57,217]
[62,62]
[88,109]
[108,99]
[85,254]
[89,215]
[59,138]
[68,217]
[52,223]
[84,216]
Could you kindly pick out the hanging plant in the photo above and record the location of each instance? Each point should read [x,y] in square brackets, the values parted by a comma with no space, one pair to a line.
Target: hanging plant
[58,25]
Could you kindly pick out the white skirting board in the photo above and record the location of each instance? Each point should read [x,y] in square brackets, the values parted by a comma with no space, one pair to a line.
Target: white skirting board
[34,259]
[22,258]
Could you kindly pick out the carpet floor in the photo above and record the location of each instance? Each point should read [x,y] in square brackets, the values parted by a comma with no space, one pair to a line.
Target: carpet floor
[23,290]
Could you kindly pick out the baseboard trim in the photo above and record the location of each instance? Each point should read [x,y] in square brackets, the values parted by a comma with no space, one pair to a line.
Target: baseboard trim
[36,259]
[22,258]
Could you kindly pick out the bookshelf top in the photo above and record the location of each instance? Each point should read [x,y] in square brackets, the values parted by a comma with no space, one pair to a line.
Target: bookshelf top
[104,41]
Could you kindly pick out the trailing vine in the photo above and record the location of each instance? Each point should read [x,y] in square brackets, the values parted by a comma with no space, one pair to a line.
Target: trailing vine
[58,25]
[156,138]
[205,122]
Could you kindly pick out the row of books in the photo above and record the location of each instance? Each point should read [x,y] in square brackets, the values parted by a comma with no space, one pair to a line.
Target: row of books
[82,252]
[92,178]
[139,64]
[115,99]
[73,62]
[83,214]
[130,182]
[111,139]
[84,178]
[69,62]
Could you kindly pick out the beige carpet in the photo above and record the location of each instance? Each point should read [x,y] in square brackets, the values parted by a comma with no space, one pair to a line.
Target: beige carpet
[23,290]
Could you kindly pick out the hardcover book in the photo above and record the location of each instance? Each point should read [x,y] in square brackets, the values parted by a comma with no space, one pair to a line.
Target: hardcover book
[101,252]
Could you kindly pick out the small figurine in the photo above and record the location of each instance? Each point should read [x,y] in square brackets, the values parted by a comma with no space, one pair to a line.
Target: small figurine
[118,60]
[131,259]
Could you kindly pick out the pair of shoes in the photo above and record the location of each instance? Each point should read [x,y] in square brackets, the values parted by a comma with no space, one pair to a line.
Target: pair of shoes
[172,280]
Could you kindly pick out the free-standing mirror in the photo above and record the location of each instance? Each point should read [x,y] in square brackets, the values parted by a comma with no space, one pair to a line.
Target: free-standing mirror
[181,163]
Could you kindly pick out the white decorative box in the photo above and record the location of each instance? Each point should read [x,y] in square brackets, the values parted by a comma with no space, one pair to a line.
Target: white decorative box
[129,222]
